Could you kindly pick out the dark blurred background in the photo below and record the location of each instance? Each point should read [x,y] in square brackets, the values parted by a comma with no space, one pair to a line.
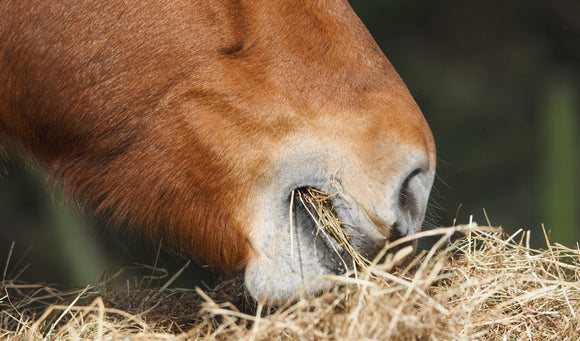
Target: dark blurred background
[499,83]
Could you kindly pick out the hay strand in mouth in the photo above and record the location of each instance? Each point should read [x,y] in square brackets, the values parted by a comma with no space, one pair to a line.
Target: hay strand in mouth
[320,208]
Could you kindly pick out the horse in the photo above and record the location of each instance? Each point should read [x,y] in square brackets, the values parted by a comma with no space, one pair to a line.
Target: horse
[196,121]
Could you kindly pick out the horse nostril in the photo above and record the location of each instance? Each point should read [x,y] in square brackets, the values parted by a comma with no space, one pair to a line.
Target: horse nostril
[407,200]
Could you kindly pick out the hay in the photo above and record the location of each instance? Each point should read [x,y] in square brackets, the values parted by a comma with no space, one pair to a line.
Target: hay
[484,285]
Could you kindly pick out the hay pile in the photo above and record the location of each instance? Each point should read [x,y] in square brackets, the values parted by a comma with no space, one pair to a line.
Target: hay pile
[484,285]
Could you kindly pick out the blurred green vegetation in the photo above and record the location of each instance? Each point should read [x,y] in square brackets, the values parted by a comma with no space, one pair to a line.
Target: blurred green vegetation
[561,195]
[46,230]
[499,83]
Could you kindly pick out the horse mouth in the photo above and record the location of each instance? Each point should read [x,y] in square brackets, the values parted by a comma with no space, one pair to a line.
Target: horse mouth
[334,239]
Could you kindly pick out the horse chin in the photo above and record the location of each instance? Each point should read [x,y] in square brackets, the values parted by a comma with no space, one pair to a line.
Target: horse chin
[275,284]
